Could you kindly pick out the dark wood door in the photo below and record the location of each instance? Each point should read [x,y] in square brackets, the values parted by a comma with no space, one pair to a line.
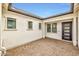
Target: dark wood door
[67,31]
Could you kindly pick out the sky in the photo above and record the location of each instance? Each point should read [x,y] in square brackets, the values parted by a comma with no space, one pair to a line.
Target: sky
[43,9]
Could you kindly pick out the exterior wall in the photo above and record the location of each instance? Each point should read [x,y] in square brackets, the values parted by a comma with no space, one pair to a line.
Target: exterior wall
[21,35]
[57,35]
[0,21]
[59,21]
[60,18]
[76,11]
[44,29]
[74,36]
[75,25]
[78,28]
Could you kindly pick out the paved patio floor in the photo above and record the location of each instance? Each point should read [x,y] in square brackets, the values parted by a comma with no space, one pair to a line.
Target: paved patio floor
[45,47]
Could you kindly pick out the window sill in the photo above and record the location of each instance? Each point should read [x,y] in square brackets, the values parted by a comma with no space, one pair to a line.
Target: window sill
[10,29]
[29,29]
[51,32]
[39,29]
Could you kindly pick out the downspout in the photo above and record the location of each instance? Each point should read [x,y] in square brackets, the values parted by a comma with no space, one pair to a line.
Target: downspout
[45,29]
[77,30]
[42,29]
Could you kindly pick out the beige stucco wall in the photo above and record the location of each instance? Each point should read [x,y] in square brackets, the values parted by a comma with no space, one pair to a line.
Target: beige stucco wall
[75,25]
[76,11]
[78,22]
[44,29]
[0,21]
[57,35]
[78,28]
[59,20]
[21,35]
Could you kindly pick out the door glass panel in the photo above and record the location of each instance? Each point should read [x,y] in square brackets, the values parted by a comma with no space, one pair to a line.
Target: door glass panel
[66,27]
[66,37]
[48,27]
[66,30]
[66,24]
[67,34]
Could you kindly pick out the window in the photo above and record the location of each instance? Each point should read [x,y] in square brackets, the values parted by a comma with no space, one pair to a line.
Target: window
[48,27]
[30,25]
[54,27]
[39,26]
[11,23]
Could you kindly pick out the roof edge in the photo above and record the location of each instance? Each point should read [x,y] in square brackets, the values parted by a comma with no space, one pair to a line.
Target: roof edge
[71,11]
[20,12]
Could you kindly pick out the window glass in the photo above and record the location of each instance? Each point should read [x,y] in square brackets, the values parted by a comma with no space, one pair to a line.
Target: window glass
[11,23]
[48,27]
[39,25]
[30,25]
[54,27]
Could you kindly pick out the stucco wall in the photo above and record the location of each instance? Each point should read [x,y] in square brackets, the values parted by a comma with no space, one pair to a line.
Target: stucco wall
[21,35]
[0,24]
[78,28]
[57,35]
[58,20]
[75,26]
[0,21]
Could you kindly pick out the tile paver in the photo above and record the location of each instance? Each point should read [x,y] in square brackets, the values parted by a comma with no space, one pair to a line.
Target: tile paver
[45,47]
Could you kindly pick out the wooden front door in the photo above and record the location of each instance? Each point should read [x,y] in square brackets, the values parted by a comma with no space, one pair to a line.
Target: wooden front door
[67,31]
